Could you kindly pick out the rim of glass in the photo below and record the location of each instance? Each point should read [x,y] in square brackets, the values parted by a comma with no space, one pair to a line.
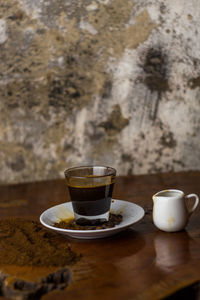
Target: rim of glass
[113,171]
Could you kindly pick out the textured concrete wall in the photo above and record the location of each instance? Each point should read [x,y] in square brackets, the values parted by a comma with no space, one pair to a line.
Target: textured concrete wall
[107,81]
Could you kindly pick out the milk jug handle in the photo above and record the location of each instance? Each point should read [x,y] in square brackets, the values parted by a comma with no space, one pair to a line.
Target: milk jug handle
[190,210]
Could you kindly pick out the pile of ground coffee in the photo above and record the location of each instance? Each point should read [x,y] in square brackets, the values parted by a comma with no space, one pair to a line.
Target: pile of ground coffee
[26,243]
[71,224]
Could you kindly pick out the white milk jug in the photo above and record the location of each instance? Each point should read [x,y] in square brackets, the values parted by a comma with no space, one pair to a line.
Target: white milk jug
[171,211]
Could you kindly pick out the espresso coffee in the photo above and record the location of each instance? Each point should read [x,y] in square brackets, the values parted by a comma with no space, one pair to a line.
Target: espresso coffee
[90,189]
[91,200]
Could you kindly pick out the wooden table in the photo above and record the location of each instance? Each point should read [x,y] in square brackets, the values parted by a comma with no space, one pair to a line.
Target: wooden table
[139,263]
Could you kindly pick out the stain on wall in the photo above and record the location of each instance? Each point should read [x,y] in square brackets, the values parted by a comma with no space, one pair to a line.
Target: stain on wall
[103,81]
[156,77]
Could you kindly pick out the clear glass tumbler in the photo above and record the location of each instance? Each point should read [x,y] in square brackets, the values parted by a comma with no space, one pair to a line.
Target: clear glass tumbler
[90,189]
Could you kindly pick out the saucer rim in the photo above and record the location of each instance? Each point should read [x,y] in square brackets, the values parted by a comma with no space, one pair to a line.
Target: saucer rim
[117,227]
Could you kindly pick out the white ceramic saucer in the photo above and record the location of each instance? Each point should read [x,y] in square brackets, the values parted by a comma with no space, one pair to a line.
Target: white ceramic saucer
[131,213]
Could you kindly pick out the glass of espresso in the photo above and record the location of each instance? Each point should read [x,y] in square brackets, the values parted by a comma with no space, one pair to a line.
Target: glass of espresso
[90,189]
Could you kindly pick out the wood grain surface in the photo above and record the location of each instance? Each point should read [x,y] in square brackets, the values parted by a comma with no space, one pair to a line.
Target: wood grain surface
[140,262]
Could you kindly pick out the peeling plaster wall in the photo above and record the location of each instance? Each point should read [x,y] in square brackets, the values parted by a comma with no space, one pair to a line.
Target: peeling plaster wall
[108,81]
